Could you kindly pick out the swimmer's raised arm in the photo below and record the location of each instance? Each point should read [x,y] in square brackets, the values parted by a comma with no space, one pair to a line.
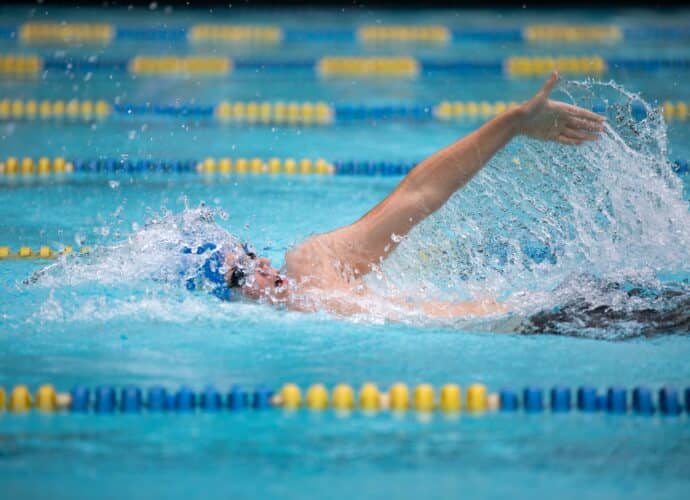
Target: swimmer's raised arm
[429,185]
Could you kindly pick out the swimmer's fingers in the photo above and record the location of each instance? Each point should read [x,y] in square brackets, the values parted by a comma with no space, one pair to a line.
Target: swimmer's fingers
[566,139]
[581,134]
[581,113]
[584,124]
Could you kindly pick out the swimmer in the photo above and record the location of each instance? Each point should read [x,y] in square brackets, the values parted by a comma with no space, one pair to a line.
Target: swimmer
[325,272]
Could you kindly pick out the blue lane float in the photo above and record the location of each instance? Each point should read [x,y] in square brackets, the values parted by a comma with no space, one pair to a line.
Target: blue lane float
[483,35]
[642,401]
[80,399]
[151,34]
[669,403]
[616,400]
[296,35]
[190,110]
[238,398]
[185,400]
[130,399]
[210,399]
[262,398]
[508,400]
[587,399]
[561,399]
[105,399]
[601,401]
[157,399]
[533,400]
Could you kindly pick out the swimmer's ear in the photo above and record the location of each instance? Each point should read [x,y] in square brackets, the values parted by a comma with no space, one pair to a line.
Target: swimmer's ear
[550,84]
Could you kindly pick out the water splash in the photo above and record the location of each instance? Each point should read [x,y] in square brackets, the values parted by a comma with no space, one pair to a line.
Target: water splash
[574,238]
[142,277]
[540,216]
[151,253]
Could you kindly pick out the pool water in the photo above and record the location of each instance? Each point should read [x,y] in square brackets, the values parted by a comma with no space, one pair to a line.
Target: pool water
[120,315]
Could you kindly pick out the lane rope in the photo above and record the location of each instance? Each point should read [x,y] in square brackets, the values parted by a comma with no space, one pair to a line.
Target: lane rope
[43,252]
[53,33]
[288,113]
[26,167]
[424,398]
[30,66]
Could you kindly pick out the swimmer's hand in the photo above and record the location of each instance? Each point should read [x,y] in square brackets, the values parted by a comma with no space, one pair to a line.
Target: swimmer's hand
[541,118]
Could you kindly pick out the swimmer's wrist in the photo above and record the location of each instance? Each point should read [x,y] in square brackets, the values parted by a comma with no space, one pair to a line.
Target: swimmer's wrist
[516,118]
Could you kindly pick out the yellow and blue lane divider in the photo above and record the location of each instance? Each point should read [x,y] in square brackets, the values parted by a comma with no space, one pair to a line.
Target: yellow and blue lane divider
[476,399]
[27,166]
[43,252]
[13,167]
[267,33]
[290,113]
[27,65]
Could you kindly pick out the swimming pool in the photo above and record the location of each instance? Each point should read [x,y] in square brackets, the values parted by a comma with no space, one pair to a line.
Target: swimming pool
[117,316]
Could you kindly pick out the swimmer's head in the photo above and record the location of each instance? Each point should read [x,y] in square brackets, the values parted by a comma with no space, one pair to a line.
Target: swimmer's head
[254,276]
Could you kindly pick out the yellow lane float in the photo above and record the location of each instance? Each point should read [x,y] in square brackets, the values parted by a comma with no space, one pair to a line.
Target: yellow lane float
[388,67]
[406,34]
[288,166]
[542,66]
[566,33]
[20,66]
[235,33]
[180,66]
[63,33]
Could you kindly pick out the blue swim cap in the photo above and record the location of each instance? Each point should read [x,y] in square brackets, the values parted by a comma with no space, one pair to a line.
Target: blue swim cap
[209,275]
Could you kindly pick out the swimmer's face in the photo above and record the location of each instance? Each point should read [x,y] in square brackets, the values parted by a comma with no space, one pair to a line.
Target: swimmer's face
[255,277]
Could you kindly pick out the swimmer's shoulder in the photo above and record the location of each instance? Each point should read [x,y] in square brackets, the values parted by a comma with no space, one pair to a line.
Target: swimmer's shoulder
[309,260]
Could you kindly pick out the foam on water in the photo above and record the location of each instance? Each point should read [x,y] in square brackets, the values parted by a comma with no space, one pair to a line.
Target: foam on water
[574,238]
[154,252]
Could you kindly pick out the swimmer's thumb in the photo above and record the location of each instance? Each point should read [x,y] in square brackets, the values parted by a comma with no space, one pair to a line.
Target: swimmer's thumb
[550,84]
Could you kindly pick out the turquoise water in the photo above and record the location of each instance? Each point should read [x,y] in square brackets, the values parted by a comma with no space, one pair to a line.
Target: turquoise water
[117,316]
